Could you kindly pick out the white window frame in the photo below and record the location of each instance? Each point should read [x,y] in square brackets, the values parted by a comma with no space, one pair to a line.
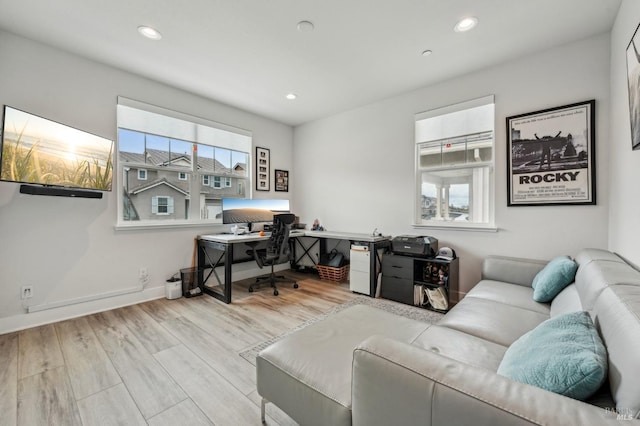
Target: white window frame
[142,174]
[206,180]
[141,117]
[484,170]
[217,182]
[182,176]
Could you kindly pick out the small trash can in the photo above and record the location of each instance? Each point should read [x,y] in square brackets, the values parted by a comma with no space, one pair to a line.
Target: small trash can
[190,285]
[173,288]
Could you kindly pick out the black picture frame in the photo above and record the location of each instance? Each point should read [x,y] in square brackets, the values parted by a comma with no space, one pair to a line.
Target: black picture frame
[281,180]
[263,169]
[563,138]
[633,84]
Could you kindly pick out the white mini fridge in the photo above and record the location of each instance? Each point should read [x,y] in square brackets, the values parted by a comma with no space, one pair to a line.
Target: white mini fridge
[359,269]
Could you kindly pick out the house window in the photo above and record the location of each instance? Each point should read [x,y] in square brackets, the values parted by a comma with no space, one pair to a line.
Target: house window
[162,205]
[179,157]
[217,182]
[454,165]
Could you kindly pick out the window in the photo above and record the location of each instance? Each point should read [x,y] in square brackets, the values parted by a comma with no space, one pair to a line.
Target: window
[184,166]
[162,205]
[454,165]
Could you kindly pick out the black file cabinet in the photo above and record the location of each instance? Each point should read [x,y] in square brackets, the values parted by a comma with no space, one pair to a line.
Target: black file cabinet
[407,279]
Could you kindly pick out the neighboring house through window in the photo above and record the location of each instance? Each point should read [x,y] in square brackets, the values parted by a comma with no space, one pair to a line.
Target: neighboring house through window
[158,151]
[455,164]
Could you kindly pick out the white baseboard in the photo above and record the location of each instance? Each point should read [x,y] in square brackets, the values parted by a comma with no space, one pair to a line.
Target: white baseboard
[73,308]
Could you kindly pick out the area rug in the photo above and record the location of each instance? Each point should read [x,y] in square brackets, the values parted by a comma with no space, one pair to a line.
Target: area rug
[407,311]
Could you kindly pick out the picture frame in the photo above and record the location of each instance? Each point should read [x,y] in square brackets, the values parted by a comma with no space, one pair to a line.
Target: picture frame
[262,169]
[633,84]
[281,180]
[551,156]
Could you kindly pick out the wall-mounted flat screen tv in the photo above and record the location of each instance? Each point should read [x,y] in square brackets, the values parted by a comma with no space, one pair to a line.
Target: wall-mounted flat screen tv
[40,151]
[242,210]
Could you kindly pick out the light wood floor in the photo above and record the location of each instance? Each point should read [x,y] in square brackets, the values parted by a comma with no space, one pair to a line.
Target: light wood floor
[164,362]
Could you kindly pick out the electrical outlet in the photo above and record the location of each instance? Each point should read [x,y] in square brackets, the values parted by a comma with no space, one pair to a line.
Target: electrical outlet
[143,276]
[26,292]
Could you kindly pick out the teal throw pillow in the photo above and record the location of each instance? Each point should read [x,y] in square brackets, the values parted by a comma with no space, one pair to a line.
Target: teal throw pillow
[563,354]
[555,276]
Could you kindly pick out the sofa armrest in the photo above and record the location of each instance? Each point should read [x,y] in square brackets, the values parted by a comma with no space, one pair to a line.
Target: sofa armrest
[512,270]
[397,383]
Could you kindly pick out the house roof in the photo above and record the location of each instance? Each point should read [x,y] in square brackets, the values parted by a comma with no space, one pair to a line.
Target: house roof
[159,158]
[162,181]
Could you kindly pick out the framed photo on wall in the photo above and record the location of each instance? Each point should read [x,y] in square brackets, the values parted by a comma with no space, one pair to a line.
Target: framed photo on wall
[633,82]
[551,156]
[281,182]
[262,169]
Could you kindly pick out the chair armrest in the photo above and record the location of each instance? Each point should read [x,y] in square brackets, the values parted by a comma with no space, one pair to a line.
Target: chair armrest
[397,383]
[512,270]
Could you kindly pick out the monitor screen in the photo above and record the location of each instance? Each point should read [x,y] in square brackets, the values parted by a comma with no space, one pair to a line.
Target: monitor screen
[241,210]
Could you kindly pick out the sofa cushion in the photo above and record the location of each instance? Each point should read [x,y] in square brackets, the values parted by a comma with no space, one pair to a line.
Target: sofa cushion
[563,355]
[308,373]
[617,316]
[554,277]
[566,301]
[461,347]
[494,321]
[509,294]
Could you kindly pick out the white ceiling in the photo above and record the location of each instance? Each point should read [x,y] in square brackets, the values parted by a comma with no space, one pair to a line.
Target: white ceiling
[249,54]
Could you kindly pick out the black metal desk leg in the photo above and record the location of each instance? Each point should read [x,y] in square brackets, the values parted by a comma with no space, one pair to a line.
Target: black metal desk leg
[373,279]
[228,264]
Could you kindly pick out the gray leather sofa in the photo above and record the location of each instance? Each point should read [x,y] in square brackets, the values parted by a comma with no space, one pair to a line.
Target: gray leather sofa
[364,366]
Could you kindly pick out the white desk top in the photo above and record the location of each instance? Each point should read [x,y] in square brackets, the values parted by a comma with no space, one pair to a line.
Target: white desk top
[230,238]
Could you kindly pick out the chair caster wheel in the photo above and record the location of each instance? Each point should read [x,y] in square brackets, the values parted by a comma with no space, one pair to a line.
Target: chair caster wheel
[250,290]
[295,285]
[275,292]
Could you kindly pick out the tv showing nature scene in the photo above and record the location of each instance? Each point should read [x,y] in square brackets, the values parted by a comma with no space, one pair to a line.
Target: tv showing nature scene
[40,151]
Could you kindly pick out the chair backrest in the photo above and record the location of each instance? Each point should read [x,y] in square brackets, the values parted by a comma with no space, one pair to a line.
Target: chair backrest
[278,250]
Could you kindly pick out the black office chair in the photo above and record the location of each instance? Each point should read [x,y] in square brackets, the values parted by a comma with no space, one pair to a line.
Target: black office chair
[277,252]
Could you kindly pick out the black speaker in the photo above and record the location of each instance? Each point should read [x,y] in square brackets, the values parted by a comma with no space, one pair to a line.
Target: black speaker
[58,191]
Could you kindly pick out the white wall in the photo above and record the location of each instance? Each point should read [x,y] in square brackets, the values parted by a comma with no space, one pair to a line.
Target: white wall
[624,226]
[355,170]
[67,248]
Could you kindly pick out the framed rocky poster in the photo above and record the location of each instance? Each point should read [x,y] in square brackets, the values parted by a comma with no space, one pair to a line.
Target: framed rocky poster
[551,156]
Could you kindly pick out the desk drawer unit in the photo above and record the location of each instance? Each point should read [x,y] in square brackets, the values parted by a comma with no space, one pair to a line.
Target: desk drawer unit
[397,278]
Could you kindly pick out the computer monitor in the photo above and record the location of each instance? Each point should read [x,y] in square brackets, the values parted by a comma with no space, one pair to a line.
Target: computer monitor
[242,210]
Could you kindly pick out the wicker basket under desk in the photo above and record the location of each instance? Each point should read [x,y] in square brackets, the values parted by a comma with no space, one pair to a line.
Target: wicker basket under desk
[331,273]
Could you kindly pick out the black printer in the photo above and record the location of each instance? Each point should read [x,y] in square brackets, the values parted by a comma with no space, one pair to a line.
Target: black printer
[413,245]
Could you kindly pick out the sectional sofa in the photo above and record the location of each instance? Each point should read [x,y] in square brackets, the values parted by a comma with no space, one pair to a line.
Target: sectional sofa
[364,366]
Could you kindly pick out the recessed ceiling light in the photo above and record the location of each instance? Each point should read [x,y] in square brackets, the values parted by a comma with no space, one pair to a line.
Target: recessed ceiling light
[305,26]
[291,96]
[465,24]
[150,33]
[427,52]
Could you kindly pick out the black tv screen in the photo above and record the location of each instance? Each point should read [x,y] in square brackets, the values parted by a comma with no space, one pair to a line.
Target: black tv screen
[40,151]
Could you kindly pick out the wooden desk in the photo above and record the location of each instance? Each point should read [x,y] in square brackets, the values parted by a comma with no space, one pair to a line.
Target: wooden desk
[217,249]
